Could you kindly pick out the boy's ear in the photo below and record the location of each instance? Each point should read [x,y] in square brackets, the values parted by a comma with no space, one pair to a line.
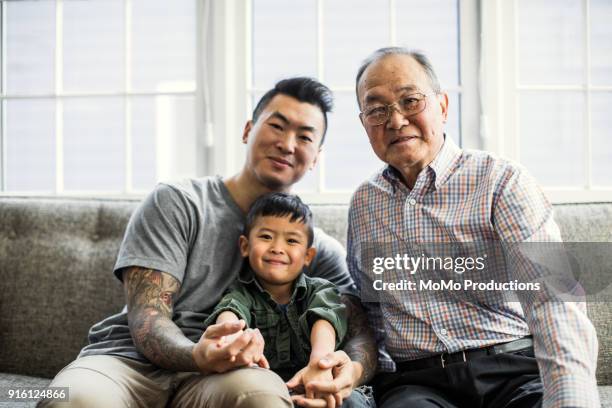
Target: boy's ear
[243,242]
[310,254]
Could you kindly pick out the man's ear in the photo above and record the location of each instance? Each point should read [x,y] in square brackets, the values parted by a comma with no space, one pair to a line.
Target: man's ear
[361,119]
[316,159]
[443,99]
[310,254]
[247,129]
[243,242]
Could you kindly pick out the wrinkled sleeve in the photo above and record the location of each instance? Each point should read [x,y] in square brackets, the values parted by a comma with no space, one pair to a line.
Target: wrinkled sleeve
[160,233]
[565,340]
[237,300]
[324,304]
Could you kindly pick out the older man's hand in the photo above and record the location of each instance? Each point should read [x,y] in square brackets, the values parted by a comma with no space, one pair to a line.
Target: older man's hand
[346,376]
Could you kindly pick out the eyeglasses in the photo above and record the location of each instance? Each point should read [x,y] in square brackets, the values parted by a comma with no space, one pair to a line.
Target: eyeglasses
[408,105]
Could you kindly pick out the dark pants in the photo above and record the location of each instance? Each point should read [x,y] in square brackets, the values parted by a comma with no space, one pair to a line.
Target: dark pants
[509,380]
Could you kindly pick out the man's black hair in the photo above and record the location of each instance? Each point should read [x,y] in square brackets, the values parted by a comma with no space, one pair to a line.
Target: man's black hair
[280,205]
[303,89]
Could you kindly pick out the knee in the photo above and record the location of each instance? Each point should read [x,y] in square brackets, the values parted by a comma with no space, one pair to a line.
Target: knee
[76,401]
[80,398]
[413,396]
[254,388]
[86,388]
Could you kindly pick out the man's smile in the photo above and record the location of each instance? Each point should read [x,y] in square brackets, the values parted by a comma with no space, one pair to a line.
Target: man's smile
[279,162]
[402,139]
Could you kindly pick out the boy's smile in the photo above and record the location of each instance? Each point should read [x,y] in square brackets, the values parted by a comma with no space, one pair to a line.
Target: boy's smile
[278,251]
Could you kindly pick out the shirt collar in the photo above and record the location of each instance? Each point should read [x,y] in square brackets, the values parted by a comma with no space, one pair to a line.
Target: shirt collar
[444,162]
[442,165]
[247,277]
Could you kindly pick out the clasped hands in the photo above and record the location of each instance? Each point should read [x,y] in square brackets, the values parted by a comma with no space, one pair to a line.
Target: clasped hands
[229,345]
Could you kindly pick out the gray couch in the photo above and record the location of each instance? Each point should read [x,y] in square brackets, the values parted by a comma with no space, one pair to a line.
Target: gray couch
[56,258]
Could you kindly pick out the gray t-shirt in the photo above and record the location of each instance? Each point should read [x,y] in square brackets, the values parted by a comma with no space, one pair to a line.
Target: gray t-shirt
[190,230]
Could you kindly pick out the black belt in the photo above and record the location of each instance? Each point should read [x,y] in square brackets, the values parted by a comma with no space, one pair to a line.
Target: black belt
[442,360]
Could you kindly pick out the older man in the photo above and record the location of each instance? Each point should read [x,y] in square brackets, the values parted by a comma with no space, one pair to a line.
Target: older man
[453,352]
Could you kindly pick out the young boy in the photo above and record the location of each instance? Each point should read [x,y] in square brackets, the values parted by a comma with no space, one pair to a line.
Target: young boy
[300,318]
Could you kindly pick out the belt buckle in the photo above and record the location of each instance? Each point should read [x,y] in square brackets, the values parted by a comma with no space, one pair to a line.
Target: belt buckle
[444,362]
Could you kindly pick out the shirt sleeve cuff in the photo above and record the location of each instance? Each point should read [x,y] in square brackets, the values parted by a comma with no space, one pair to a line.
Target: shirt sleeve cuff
[232,306]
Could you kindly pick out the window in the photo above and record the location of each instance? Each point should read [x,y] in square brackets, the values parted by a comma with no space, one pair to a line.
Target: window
[128,92]
[329,43]
[548,70]
[98,96]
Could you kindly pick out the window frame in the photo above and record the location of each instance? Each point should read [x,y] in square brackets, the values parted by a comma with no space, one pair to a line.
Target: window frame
[489,92]
[233,90]
[127,94]
[501,91]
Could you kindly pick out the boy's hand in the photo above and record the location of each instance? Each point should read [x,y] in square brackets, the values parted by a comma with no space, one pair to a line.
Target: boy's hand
[225,340]
[246,349]
[333,392]
[311,373]
[305,394]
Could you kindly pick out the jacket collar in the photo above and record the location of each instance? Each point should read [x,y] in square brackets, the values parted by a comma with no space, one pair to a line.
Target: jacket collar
[247,277]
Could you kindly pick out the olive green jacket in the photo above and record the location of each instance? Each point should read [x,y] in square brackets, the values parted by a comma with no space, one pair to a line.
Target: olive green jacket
[285,329]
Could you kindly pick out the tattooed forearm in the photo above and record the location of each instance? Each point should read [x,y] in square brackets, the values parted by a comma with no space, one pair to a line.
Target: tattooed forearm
[361,346]
[150,298]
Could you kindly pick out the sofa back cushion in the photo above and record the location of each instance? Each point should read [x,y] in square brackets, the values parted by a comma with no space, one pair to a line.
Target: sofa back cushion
[57,256]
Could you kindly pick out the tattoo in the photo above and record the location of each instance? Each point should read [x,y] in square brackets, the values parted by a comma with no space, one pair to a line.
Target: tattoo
[150,298]
[361,346]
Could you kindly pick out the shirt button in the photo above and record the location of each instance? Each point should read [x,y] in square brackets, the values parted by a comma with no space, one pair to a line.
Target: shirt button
[412,201]
[443,332]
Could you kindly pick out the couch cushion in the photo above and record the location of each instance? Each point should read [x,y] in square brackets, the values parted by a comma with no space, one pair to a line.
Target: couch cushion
[8,381]
[605,395]
[56,258]
[57,255]
[587,222]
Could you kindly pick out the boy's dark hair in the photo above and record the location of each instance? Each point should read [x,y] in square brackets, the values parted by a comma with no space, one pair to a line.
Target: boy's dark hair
[303,89]
[280,205]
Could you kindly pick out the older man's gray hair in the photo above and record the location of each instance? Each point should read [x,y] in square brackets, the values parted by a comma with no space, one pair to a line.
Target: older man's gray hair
[418,56]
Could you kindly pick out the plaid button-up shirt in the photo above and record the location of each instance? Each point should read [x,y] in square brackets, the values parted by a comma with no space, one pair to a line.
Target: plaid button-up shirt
[471,196]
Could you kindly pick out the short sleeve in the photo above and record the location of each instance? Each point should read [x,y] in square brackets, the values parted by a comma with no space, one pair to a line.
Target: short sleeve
[160,233]
[236,301]
[324,304]
[330,263]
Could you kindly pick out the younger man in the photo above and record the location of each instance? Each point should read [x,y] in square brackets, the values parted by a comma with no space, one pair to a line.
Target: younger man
[301,318]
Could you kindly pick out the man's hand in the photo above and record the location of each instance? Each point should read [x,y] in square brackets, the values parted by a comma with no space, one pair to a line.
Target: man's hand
[213,354]
[346,375]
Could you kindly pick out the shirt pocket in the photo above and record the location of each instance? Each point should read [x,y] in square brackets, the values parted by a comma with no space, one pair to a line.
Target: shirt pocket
[264,319]
[267,322]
